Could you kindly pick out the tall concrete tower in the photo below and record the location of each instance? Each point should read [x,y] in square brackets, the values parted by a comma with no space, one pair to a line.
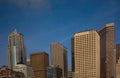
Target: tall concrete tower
[16,49]
[86,54]
[108,54]
[59,57]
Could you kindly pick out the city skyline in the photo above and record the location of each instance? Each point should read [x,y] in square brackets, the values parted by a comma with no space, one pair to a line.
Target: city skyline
[41,26]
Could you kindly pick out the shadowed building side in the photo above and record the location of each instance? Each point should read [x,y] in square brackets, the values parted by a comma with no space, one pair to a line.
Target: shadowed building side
[107,44]
[117,60]
[117,52]
[118,69]
[72,53]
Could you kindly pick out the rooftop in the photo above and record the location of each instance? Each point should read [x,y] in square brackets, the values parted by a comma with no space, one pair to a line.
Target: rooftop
[34,53]
[85,31]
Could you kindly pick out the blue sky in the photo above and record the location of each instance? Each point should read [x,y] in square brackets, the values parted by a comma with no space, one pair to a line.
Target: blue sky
[45,21]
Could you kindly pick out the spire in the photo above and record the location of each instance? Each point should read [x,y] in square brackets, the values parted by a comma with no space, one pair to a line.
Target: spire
[15,30]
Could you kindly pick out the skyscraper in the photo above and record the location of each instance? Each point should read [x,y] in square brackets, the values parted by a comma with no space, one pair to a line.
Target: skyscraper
[86,54]
[107,44]
[59,57]
[39,62]
[16,49]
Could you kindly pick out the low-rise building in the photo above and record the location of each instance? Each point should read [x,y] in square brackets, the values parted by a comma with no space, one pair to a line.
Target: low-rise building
[21,68]
[5,72]
[26,69]
[54,72]
[69,73]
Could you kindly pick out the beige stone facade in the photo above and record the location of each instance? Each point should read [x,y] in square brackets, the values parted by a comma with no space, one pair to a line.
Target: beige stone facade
[86,54]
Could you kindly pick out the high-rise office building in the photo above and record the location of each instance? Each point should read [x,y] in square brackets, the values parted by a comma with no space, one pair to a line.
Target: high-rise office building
[16,49]
[59,57]
[86,54]
[117,52]
[39,62]
[108,54]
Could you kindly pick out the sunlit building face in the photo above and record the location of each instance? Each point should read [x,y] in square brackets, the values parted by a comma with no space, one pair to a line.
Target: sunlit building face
[86,54]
